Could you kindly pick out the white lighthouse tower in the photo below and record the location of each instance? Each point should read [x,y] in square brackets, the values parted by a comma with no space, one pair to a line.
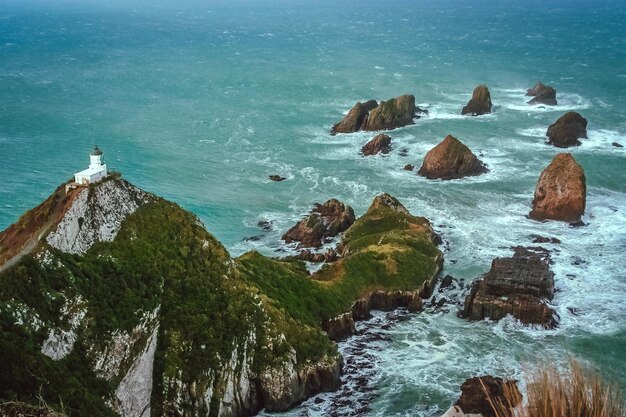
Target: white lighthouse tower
[96,171]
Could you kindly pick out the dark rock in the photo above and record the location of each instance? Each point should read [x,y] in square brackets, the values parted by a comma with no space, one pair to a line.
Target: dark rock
[480,103]
[441,302]
[379,144]
[409,167]
[476,393]
[617,145]
[519,286]
[566,131]
[451,159]
[355,118]
[391,114]
[339,327]
[561,191]
[543,239]
[446,281]
[253,238]
[404,152]
[542,94]
[277,178]
[386,115]
[266,225]
[326,220]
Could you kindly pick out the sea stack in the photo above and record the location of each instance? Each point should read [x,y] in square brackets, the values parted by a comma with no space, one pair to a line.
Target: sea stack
[561,191]
[386,115]
[566,131]
[542,94]
[326,220]
[451,159]
[379,144]
[480,103]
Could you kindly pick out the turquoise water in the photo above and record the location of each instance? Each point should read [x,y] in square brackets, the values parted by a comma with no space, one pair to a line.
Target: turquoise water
[200,101]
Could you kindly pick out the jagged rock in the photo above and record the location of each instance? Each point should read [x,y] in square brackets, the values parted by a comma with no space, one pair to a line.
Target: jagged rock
[451,159]
[307,255]
[477,392]
[379,144]
[542,94]
[617,145]
[519,286]
[480,103]
[391,114]
[277,178]
[386,115]
[561,191]
[544,239]
[285,386]
[340,327]
[446,281]
[566,131]
[326,220]
[409,167]
[353,121]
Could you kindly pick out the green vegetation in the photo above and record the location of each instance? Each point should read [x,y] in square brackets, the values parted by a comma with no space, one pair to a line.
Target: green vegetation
[209,306]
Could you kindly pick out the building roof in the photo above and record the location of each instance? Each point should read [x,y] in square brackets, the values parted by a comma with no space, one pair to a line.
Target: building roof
[96,151]
[91,171]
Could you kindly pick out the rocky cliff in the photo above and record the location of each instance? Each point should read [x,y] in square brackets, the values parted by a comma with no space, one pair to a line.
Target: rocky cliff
[127,306]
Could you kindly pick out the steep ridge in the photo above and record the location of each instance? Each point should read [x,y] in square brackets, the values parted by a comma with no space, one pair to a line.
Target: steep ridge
[136,310]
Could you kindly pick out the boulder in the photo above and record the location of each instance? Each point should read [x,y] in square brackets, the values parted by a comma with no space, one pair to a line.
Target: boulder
[277,178]
[480,103]
[566,131]
[451,159]
[371,116]
[478,393]
[326,220]
[353,121]
[519,285]
[391,114]
[409,167]
[561,191]
[542,94]
[617,145]
[379,144]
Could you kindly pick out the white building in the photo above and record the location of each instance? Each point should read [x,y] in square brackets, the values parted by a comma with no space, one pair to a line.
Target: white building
[96,171]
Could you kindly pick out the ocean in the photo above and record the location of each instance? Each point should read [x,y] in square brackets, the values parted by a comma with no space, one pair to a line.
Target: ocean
[200,101]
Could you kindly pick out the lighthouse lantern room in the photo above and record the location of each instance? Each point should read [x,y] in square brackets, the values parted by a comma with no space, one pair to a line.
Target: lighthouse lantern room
[96,171]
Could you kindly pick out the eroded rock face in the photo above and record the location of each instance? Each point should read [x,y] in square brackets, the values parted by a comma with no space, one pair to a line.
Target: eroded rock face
[451,159]
[285,386]
[542,94]
[353,121]
[391,114]
[326,220]
[519,286]
[379,144]
[476,393]
[567,130]
[561,191]
[480,103]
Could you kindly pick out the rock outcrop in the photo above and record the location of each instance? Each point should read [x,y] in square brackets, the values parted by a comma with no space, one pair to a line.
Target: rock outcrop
[520,285]
[478,393]
[379,144]
[326,220]
[561,191]
[451,159]
[277,178]
[542,94]
[386,115]
[567,130]
[480,103]
[353,121]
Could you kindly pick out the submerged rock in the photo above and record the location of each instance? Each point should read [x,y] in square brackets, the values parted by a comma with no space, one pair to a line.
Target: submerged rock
[561,191]
[477,392]
[386,115]
[277,178]
[409,167]
[379,144]
[326,220]
[451,159]
[480,103]
[617,145]
[542,94]
[566,131]
[353,121]
[519,285]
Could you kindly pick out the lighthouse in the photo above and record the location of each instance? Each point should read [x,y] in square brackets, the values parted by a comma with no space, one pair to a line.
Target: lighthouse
[96,171]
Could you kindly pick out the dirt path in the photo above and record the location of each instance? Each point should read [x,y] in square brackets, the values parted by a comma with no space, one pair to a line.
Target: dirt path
[27,248]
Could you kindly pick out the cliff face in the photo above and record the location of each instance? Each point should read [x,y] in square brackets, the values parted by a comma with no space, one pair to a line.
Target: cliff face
[127,306]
